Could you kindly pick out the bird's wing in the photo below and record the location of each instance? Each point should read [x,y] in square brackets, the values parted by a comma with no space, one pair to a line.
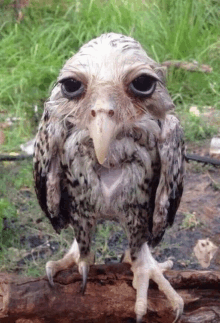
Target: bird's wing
[49,173]
[169,191]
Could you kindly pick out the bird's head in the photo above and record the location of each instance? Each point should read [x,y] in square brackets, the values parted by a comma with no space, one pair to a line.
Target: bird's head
[110,84]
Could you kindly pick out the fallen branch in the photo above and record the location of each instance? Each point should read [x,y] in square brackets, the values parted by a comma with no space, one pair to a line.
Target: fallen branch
[201,159]
[193,157]
[14,158]
[109,297]
[189,66]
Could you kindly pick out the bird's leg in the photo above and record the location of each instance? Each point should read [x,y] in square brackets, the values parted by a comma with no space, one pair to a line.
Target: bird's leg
[83,234]
[145,267]
[71,258]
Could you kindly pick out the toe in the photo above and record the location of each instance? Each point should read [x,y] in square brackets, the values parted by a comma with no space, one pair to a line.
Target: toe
[140,308]
[179,310]
[175,300]
[166,265]
[126,257]
[141,285]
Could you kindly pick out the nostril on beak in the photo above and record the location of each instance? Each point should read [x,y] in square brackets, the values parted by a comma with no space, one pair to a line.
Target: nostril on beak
[111,113]
[93,113]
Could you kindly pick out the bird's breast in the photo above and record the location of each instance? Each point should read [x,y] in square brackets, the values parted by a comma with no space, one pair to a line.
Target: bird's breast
[123,178]
[110,182]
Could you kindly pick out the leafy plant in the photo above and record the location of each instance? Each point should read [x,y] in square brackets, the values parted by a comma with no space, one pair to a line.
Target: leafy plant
[197,128]
[190,221]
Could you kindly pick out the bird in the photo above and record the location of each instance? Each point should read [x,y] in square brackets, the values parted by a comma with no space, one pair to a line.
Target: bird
[110,147]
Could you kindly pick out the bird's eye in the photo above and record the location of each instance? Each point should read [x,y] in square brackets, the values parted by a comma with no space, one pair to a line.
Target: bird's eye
[71,88]
[144,85]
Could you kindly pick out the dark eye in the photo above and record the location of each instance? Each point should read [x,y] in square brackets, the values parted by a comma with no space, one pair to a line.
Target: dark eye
[71,88]
[143,85]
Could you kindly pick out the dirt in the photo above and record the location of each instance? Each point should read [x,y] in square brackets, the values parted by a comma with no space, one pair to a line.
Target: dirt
[197,219]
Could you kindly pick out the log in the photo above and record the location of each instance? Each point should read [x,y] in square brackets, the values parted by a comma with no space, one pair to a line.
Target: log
[109,297]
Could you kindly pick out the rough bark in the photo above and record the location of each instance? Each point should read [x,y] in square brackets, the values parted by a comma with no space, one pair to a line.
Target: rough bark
[109,297]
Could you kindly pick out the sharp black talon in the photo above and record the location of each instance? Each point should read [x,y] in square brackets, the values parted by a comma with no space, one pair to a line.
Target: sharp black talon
[179,313]
[50,276]
[139,319]
[122,257]
[177,317]
[85,271]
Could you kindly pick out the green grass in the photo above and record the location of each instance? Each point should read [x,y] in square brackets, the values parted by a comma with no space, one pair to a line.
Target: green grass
[7,210]
[196,127]
[32,53]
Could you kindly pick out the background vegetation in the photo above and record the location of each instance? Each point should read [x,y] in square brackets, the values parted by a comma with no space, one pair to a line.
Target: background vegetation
[33,47]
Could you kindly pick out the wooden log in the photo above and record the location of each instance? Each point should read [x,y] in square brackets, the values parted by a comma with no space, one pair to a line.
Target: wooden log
[109,297]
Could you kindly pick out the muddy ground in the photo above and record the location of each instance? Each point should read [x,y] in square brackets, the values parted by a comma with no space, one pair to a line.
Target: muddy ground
[198,218]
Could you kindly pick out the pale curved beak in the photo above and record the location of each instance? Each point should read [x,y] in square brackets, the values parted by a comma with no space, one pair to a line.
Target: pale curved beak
[101,130]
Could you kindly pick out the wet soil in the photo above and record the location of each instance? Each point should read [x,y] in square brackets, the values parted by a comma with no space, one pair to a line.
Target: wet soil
[198,216]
